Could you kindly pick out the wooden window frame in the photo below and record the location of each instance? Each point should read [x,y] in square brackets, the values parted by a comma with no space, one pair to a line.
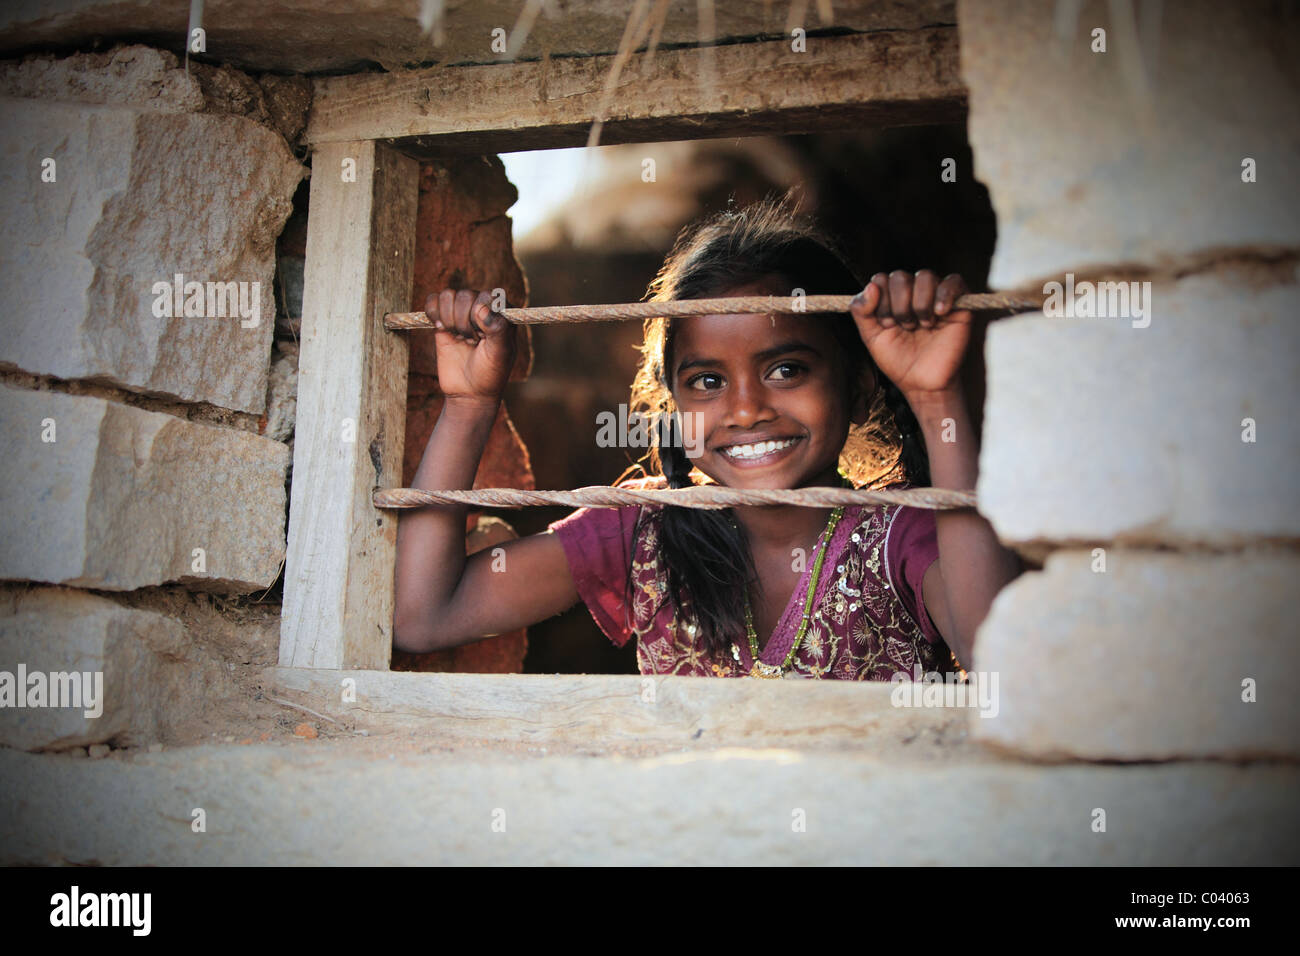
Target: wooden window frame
[368,134]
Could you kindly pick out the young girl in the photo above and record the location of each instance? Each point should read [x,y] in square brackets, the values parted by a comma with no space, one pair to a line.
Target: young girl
[748,401]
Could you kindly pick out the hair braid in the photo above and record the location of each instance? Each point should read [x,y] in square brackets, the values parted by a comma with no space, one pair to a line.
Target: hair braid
[912,456]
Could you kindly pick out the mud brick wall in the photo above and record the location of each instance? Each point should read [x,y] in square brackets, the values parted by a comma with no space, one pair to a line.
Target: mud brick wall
[141,489]
[1150,459]
[463,241]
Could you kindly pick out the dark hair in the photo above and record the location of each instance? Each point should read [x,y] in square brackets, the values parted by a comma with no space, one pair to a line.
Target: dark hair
[709,563]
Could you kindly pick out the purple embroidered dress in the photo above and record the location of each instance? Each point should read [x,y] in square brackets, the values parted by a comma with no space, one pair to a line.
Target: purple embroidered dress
[868,619]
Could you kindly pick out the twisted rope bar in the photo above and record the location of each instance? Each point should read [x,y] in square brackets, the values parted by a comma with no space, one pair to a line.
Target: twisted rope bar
[742,305]
[713,497]
[702,496]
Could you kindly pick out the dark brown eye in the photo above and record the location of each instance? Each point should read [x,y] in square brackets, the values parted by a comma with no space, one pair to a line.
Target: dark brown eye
[789,370]
[707,376]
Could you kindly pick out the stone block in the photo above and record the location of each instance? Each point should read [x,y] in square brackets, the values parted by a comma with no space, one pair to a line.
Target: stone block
[316,802]
[135,200]
[1096,430]
[1132,156]
[143,78]
[1153,659]
[282,402]
[150,677]
[122,497]
[139,77]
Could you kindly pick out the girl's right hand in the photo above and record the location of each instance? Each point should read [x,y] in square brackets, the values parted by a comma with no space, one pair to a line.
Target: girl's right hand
[476,346]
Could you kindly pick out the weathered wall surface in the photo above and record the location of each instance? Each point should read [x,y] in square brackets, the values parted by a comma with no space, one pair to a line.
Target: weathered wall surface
[123,204]
[134,406]
[1100,431]
[154,674]
[1132,157]
[463,241]
[310,36]
[121,498]
[269,806]
[1150,449]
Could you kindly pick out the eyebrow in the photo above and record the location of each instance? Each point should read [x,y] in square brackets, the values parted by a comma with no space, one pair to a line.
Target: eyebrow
[782,348]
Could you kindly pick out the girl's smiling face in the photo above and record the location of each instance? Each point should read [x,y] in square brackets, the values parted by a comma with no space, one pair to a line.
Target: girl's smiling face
[768,395]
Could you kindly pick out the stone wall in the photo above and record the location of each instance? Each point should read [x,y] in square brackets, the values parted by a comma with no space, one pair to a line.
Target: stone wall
[1148,452]
[145,459]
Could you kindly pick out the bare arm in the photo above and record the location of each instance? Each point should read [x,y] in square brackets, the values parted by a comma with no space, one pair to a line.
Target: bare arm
[444,598]
[918,340]
[973,566]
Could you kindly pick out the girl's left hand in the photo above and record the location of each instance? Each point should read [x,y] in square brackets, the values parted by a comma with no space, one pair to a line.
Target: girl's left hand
[911,329]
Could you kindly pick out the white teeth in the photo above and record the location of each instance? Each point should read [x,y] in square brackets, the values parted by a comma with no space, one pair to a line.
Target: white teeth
[757,450]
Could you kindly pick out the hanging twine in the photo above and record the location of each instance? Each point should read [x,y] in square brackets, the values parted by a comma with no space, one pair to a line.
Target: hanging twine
[708,497]
[742,305]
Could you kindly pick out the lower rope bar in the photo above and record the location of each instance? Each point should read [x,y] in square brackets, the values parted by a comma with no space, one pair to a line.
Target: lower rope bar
[743,305]
[712,497]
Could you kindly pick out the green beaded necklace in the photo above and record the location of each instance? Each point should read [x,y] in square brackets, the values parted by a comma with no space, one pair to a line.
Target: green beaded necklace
[760,669]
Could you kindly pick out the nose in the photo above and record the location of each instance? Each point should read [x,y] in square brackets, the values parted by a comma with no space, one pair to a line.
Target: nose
[748,403]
